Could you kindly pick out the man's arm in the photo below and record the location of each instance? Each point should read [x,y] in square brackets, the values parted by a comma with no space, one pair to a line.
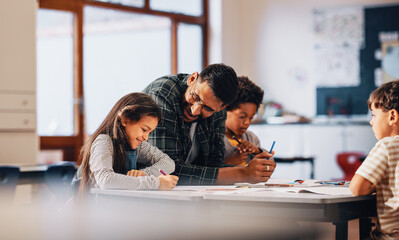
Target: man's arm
[259,169]
[361,186]
[196,175]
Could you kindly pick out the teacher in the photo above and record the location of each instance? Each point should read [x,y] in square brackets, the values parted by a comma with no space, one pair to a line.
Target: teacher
[192,127]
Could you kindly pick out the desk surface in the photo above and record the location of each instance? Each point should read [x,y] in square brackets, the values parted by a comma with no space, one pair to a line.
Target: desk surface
[167,195]
[281,197]
[230,193]
[33,168]
[42,167]
[34,174]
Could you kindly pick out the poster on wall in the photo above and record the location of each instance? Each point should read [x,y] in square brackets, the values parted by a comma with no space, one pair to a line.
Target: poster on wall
[373,32]
[338,36]
[388,54]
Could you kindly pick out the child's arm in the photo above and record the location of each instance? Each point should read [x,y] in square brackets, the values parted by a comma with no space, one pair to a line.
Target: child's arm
[361,186]
[136,173]
[236,158]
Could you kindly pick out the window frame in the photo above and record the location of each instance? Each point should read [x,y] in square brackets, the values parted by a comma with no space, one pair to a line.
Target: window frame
[71,145]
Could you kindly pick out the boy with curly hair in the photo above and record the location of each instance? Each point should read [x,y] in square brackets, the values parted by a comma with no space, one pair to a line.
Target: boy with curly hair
[241,145]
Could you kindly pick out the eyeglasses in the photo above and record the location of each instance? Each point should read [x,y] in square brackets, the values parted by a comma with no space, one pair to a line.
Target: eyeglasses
[196,100]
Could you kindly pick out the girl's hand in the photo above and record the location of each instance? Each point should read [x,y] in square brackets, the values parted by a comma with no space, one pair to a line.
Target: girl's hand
[167,182]
[247,147]
[237,158]
[136,173]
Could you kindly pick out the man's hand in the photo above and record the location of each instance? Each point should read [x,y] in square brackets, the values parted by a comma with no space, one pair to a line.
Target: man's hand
[259,169]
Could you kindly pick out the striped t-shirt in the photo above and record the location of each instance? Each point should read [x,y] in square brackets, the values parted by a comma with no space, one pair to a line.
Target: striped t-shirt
[382,169]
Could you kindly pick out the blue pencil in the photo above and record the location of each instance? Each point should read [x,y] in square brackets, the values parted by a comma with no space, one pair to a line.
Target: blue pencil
[271,149]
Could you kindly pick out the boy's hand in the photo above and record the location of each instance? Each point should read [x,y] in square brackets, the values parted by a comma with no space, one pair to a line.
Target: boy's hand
[247,147]
[167,182]
[236,158]
[136,173]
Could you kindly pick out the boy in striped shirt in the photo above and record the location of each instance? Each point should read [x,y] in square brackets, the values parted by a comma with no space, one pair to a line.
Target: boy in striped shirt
[380,170]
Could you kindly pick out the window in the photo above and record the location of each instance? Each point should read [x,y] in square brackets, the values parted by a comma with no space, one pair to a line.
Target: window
[54,73]
[123,53]
[131,3]
[189,42]
[96,51]
[187,7]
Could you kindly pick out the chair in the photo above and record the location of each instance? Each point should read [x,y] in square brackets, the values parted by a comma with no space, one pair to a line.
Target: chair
[9,176]
[349,162]
[298,159]
[58,178]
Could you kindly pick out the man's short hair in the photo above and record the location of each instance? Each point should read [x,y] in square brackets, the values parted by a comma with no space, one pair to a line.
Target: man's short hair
[386,97]
[222,79]
[248,92]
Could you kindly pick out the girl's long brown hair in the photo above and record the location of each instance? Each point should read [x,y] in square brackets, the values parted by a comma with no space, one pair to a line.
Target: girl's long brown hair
[133,107]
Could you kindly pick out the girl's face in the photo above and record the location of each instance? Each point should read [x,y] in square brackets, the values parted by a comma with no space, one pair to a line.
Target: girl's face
[137,132]
[380,123]
[239,119]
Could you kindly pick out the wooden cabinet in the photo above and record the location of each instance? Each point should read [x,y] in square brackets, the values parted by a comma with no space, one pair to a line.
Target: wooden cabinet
[321,141]
[17,112]
[18,138]
[17,102]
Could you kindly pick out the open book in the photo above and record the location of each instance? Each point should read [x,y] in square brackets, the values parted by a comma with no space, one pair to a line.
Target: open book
[276,182]
[329,190]
[301,186]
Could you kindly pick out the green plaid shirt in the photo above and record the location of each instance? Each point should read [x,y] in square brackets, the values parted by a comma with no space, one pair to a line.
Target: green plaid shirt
[172,134]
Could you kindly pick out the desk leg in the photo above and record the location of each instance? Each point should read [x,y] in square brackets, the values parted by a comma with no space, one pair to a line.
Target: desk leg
[341,230]
[364,227]
[312,170]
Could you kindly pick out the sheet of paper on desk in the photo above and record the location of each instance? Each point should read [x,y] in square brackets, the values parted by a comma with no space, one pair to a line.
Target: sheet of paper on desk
[205,188]
[216,189]
[277,182]
[330,190]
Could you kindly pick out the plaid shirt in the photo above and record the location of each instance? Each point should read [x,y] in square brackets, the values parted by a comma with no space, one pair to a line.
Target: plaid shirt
[172,134]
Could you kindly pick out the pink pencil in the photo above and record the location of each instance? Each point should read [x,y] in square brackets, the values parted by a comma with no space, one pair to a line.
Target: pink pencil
[162,172]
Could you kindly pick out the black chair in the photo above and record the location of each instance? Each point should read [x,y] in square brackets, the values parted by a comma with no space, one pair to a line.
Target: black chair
[298,159]
[9,176]
[58,178]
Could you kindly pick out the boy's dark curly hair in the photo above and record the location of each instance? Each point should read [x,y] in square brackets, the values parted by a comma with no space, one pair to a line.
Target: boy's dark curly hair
[248,92]
[386,97]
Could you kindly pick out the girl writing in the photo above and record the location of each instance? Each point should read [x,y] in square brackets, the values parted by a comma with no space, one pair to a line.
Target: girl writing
[111,155]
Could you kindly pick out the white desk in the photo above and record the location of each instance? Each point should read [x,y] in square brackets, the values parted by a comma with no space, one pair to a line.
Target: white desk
[261,204]
[162,195]
[304,207]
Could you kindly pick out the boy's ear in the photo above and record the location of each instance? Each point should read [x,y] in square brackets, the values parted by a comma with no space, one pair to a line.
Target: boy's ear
[393,116]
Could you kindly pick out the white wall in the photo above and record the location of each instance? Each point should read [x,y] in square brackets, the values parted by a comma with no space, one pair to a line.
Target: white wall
[271,42]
